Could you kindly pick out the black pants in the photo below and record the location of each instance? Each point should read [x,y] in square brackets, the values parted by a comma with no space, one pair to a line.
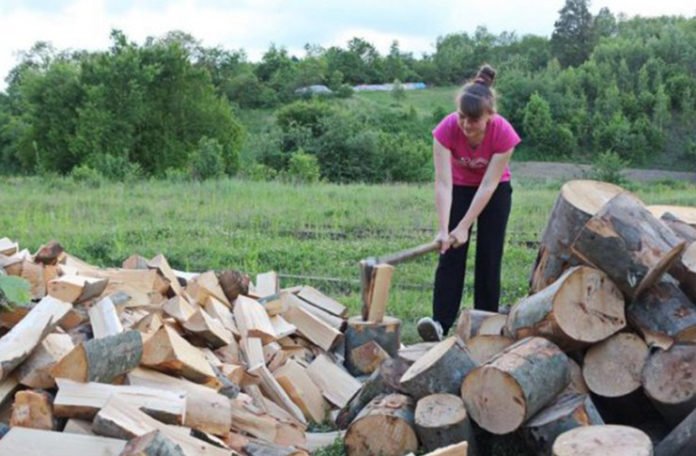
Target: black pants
[490,240]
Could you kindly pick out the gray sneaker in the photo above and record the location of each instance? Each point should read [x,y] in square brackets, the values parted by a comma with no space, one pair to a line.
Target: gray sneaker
[429,329]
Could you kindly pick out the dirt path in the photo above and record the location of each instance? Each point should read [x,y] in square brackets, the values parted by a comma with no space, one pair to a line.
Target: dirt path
[562,171]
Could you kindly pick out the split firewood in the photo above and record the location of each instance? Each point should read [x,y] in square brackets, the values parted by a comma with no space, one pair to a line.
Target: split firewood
[210,329]
[281,327]
[135,261]
[289,301]
[8,387]
[664,315]
[313,328]
[257,447]
[568,411]
[267,284]
[411,353]
[515,384]
[366,358]
[178,308]
[378,292]
[101,360]
[470,321]
[681,441]
[84,400]
[205,285]
[160,264]
[275,392]
[233,283]
[441,420]
[386,333]
[49,253]
[104,319]
[456,449]
[484,347]
[384,426]
[252,320]
[337,385]
[607,440]
[17,345]
[8,247]
[440,370]
[669,380]
[30,442]
[323,302]
[613,367]
[576,203]
[577,381]
[218,310]
[35,372]
[32,409]
[302,390]
[629,244]
[252,420]
[580,308]
[149,325]
[75,288]
[77,426]
[153,443]
[34,274]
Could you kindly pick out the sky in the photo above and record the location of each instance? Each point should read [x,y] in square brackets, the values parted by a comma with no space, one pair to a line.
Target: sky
[253,25]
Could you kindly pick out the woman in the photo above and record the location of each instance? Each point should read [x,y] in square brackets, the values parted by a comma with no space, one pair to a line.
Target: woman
[471,151]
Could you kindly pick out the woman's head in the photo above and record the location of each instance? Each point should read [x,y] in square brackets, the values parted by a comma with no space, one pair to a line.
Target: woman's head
[476,100]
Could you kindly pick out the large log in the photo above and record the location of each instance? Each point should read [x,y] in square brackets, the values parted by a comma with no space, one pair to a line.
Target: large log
[386,333]
[440,370]
[612,368]
[515,384]
[664,315]
[470,322]
[605,440]
[669,380]
[441,420]
[576,203]
[485,346]
[580,308]
[384,426]
[681,441]
[568,411]
[629,244]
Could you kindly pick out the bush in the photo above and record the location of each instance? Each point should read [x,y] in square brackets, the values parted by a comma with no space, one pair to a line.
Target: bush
[608,167]
[115,168]
[206,161]
[344,91]
[405,159]
[259,172]
[86,175]
[303,167]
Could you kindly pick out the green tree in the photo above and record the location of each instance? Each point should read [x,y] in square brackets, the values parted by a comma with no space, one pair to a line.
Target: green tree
[573,38]
[604,24]
[537,124]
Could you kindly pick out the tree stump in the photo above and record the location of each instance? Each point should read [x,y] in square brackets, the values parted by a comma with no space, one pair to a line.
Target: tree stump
[580,308]
[484,347]
[385,426]
[440,370]
[576,203]
[669,380]
[568,411]
[441,420]
[515,384]
[470,321]
[386,333]
[629,244]
[612,368]
[664,315]
[605,440]
[681,441]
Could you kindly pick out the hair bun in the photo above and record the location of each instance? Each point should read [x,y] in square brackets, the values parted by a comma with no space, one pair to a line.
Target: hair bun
[485,76]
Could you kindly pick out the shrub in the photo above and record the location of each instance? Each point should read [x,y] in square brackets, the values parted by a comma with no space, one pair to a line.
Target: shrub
[86,175]
[115,168]
[206,161]
[259,172]
[303,167]
[608,167]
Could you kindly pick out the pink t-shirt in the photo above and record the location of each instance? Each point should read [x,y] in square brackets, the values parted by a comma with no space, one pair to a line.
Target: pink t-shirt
[469,165]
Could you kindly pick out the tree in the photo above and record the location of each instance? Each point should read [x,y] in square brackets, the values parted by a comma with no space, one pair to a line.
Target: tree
[604,24]
[573,37]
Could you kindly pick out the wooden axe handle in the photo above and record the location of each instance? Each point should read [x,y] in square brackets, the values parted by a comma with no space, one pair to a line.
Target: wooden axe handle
[407,254]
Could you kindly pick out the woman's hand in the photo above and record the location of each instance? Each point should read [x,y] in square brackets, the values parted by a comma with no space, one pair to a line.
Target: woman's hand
[459,236]
[445,240]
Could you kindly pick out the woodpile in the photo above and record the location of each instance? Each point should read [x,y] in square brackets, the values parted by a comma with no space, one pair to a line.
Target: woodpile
[599,358]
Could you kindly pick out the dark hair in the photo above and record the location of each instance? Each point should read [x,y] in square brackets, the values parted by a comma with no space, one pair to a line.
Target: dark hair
[477,96]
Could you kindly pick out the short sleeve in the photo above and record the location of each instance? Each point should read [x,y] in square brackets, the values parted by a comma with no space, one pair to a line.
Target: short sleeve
[507,137]
[443,132]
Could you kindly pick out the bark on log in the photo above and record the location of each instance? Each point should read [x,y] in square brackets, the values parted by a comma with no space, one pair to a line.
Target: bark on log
[607,440]
[568,411]
[440,370]
[681,441]
[385,426]
[470,321]
[669,380]
[629,244]
[576,203]
[441,420]
[582,307]
[386,333]
[612,368]
[518,382]
[385,380]
[664,315]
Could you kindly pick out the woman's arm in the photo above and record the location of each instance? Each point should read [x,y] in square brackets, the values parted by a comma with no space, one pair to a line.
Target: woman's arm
[483,194]
[443,192]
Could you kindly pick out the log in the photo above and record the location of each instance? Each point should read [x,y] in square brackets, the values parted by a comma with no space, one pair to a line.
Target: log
[441,370]
[378,293]
[685,271]
[385,426]
[32,409]
[577,381]
[576,203]
[580,308]
[31,442]
[682,229]
[441,420]
[483,347]
[17,345]
[612,368]
[152,444]
[470,321]
[386,333]
[384,380]
[685,214]
[629,244]
[411,353]
[681,441]
[568,411]
[35,372]
[101,360]
[669,380]
[607,440]
[663,314]
[515,384]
